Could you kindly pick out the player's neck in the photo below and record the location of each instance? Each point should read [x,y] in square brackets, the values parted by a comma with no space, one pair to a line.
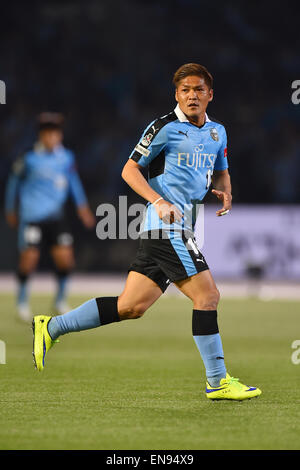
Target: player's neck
[198,120]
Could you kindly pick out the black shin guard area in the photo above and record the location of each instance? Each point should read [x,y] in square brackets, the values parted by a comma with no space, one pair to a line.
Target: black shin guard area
[205,322]
[61,273]
[108,310]
[22,277]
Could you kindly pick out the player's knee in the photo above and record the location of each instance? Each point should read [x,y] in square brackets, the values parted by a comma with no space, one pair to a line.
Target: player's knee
[27,269]
[129,312]
[209,301]
[64,260]
[65,265]
[28,263]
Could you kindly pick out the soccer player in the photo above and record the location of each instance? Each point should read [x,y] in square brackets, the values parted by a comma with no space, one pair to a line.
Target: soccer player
[40,182]
[184,151]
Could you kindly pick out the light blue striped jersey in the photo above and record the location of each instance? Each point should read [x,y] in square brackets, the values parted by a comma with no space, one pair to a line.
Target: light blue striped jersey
[41,182]
[181,159]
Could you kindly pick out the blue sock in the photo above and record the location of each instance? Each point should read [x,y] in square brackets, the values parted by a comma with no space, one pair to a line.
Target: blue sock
[84,317]
[22,296]
[61,287]
[211,350]
[22,293]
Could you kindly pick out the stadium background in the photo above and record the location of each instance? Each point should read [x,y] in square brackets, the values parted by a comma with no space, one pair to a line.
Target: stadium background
[108,66]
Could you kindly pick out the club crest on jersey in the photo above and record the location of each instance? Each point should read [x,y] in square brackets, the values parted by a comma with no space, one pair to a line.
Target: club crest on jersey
[214,134]
[146,141]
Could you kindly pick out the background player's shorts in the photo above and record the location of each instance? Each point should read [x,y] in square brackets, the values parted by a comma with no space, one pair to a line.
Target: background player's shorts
[170,258]
[48,233]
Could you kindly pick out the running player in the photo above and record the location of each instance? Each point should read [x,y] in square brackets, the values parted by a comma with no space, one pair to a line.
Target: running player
[184,150]
[40,182]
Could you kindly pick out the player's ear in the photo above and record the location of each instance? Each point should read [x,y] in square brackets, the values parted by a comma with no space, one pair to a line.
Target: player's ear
[176,95]
[211,94]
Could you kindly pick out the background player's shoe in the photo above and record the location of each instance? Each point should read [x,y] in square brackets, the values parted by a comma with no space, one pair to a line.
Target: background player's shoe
[42,341]
[231,389]
[24,312]
[61,307]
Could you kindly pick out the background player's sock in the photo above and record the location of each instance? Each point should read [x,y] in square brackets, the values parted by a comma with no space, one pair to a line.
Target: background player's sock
[91,314]
[22,292]
[209,343]
[22,300]
[62,277]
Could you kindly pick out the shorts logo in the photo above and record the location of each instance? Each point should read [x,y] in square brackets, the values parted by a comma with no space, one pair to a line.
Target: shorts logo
[225,152]
[65,239]
[193,246]
[214,134]
[146,141]
[142,150]
[32,234]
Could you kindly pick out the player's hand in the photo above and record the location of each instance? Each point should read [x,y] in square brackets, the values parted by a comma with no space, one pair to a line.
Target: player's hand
[226,200]
[12,219]
[86,216]
[168,212]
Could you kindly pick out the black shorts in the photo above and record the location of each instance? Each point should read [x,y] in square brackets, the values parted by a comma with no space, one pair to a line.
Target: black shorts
[169,258]
[48,233]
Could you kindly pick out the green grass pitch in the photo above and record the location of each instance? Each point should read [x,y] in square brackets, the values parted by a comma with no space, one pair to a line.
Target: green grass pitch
[140,384]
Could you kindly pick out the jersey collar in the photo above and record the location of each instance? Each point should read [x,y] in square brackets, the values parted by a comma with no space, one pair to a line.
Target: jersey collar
[182,117]
[40,148]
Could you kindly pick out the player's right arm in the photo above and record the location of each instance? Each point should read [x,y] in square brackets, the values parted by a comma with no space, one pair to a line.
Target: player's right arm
[135,179]
[11,192]
[150,145]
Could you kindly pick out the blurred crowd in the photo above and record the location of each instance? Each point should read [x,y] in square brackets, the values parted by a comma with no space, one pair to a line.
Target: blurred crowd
[108,66]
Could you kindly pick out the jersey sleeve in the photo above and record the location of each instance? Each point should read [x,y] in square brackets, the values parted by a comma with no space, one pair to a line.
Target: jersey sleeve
[221,162]
[12,186]
[152,142]
[76,188]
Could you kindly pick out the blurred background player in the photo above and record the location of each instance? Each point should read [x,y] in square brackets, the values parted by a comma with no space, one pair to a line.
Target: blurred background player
[37,190]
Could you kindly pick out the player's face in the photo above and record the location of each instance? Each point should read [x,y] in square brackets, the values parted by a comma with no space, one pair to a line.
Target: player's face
[50,138]
[193,96]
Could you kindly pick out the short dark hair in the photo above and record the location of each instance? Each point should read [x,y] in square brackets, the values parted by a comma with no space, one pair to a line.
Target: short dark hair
[50,121]
[192,69]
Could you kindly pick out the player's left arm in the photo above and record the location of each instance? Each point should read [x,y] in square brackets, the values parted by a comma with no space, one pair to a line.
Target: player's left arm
[222,189]
[12,191]
[221,178]
[79,197]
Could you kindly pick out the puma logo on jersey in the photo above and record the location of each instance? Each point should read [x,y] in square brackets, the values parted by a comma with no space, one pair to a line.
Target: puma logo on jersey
[184,133]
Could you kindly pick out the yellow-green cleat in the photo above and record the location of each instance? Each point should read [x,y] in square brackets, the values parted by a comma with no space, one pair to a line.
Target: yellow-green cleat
[42,341]
[231,389]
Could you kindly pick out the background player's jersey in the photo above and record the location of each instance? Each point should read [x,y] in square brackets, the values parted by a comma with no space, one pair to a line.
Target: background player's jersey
[181,158]
[42,181]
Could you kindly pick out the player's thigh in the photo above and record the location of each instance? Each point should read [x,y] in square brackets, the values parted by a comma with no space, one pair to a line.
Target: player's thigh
[63,256]
[28,259]
[139,293]
[201,289]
